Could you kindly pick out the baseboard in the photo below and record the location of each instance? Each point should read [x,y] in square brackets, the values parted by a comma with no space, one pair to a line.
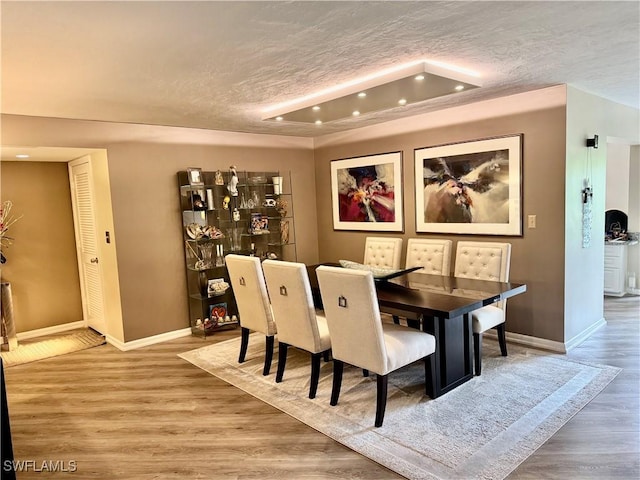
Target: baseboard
[145,342]
[528,341]
[551,345]
[578,339]
[41,332]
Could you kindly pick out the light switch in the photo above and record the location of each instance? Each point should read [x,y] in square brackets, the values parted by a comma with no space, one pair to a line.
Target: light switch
[532,221]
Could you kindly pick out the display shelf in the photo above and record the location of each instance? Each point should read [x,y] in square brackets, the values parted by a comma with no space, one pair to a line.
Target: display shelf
[258,220]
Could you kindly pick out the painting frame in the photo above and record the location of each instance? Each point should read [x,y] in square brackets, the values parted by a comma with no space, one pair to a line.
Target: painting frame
[383,209]
[486,200]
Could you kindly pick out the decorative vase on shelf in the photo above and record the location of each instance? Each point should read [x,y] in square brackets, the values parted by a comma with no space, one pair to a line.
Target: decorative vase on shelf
[203,282]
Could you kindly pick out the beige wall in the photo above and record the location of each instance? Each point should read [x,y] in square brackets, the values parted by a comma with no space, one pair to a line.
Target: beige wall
[617,186]
[42,264]
[148,222]
[142,165]
[537,256]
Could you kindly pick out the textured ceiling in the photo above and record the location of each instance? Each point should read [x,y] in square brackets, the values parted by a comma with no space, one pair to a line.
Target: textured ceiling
[217,65]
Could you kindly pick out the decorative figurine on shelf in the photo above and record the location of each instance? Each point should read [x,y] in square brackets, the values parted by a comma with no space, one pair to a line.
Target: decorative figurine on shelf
[281,206]
[197,203]
[225,202]
[233,182]
[236,215]
[219,180]
[284,231]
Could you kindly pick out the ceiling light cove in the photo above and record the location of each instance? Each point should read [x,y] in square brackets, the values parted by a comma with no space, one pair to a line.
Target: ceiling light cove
[411,83]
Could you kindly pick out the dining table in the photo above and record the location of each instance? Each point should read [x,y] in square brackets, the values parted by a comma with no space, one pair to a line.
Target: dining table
[441,305]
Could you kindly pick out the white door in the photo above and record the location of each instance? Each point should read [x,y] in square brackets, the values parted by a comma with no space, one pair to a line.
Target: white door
[86,243]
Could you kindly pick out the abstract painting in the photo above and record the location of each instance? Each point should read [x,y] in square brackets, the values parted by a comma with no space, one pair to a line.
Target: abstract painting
[367,193]
[470,188]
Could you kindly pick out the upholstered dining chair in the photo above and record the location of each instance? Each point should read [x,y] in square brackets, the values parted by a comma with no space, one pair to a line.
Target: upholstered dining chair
[485,261]
[433,255]
[254,308]
[300,325]
[382,252]
[359,338]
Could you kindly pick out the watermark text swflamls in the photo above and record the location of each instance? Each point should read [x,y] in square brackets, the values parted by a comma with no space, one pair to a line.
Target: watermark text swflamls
[63,466]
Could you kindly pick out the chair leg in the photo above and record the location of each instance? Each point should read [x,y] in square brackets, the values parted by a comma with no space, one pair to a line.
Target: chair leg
[338,367]
[365,373]
[282,360]
[477,352]
[381,400]
[396,319]
[325,355]
[244,343]
[268,355]
[430,375]
[502,340]
[315,374]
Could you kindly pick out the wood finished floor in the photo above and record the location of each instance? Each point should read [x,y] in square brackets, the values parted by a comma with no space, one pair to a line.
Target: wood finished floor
[147,414]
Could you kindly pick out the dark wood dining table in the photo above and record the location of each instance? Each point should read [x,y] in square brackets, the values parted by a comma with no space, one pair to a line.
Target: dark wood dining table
[441,304]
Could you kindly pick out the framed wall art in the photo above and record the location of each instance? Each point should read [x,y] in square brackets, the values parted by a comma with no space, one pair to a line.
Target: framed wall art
[471,187]
[367,193]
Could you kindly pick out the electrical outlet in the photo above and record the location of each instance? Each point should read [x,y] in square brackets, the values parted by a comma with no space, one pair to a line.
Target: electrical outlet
[532,221]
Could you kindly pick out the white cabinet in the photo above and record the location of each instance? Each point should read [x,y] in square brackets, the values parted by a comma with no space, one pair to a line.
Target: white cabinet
[615,269]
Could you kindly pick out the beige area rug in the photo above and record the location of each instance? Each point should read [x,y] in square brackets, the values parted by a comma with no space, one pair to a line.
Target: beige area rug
[73,342]
[483,429]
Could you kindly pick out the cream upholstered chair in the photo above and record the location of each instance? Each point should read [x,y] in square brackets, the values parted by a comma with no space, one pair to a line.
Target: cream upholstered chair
[383,252]
[358,336]
[299,324]
[433,255]
[485,261]
[250,291]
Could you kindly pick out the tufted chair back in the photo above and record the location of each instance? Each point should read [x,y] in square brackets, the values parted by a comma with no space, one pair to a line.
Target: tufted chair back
[483,261]
[250,291]
[433,255]
[383,252]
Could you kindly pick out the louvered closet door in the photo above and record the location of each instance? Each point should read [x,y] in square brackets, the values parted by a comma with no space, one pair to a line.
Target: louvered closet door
[86,239]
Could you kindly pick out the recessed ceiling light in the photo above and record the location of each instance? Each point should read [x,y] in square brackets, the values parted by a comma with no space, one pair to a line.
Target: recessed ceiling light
[419,77]
[355,113]
[318,122]
[315,108]
[362,94]
[22,155]
[279,119]
[402,101]
[459,87]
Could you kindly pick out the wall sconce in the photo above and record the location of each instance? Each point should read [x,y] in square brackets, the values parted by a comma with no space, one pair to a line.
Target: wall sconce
[592,142]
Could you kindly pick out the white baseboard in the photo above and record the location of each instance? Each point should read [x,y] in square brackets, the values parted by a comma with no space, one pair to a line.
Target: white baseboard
[41,332]
[551,345]
[578,339]
[145,342]
[528,341]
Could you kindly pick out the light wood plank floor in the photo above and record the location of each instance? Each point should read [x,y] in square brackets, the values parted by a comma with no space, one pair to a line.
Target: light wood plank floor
[147,414]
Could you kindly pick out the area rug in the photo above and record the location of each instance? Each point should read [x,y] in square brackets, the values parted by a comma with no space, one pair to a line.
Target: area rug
[53,347]
[483,429]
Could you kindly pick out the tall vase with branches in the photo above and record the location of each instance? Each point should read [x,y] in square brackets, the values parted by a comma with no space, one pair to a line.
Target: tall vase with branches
[6,221]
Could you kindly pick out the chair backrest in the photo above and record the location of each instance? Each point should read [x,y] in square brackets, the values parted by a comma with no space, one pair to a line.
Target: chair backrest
[353,316]
[382,252]
[434,256]
[484,261]
[250,291]
[292,304]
